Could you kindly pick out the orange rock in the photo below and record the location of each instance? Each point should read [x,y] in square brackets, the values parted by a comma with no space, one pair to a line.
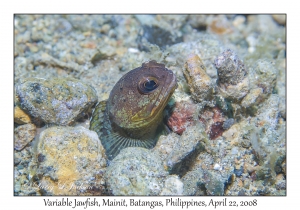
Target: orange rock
[90,45]
[75,157]
[240,183]
[20,116]
[200,83]
[220,25]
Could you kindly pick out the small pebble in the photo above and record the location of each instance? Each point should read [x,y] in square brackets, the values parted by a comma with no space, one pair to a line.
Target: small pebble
[133,50]
[20,117]
[220,25]
[238,20]
[238,171]
[217,167]
[24,134]
[280,182]
[264,77]
[228,123]
[173,186]
[17,186]
[280,19]
[234,151]
[251,98]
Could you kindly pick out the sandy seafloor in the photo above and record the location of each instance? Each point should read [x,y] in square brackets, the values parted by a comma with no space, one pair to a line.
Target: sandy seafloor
[249,155]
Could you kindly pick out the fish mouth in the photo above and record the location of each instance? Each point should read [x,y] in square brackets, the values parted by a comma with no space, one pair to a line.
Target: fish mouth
[172,80]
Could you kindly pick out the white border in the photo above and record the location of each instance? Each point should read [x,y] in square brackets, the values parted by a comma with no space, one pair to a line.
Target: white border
[8,201]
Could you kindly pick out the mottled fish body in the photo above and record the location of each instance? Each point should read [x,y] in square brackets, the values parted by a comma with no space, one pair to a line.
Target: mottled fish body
[132,114]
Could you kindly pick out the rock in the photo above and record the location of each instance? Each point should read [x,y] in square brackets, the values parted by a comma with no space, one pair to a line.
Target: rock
[216,130]
[263,173]
[228,123]
[183,115]
[230,68]
[264,136]
[175,150]
[217,167]
[268,144]
[57,100]
[17,187]
[250,169]
[205,46]
[239,170]
[235,133]
[146,19]
[165,145]
[33,48]
[264,47]
[20,117]
[264,76]
[71,161]
[20,64]
[63,26]
[213,119]
[232,80]
[252,97]
[220,25]
[280,182]
[211,182]
[262,24]
[280,19]
[105,28]
[17,158]
[235,92]
[238,21]
[135,171]
[201,85]
[24,37]
[24,134]
[173,186]
[211,170]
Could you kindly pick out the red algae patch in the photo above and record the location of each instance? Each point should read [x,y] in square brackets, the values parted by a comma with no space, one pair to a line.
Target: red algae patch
[182,116]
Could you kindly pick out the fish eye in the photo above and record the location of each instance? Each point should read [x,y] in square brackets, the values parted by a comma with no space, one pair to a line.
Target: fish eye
[147,85]
[150,85]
